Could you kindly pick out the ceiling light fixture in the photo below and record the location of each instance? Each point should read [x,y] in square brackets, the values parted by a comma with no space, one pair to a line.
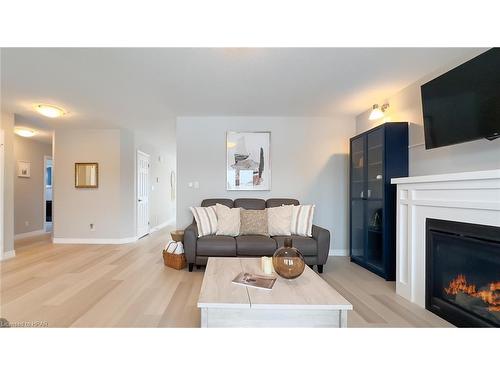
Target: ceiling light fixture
[49,110]
[378,112]
[23,132]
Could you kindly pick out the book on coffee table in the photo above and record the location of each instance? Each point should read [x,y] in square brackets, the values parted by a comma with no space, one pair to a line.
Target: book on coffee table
[255,281]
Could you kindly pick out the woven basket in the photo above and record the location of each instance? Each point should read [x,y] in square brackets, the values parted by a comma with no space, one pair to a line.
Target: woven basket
[176,261]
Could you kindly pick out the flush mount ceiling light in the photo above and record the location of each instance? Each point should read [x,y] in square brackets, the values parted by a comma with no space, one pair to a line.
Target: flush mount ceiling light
[23,132]
[378,112]
[49,110]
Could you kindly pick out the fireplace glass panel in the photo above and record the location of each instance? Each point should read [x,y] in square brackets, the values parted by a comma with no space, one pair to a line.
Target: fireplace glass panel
[466,275]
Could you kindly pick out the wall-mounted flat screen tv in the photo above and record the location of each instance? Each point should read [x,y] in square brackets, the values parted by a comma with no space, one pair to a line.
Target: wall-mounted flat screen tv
[463,104]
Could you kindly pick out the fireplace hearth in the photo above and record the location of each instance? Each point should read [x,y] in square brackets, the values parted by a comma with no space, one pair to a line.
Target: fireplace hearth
[463,272]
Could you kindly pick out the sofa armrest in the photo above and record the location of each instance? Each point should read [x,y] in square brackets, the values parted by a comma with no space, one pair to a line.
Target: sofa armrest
[190,238]
[322,237]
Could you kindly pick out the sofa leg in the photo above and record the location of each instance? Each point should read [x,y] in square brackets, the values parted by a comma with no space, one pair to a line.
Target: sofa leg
[191,267]
[320,268]
[198,267]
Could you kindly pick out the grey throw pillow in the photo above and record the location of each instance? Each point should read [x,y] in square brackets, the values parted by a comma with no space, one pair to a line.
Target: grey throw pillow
[254,222]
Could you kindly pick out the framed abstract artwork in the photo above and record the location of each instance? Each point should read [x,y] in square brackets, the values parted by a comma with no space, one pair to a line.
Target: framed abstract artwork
[248,161]
[24,169]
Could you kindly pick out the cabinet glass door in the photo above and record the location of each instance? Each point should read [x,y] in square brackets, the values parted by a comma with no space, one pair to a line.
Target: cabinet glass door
[358,165]
[358,194]
[358,229]
[375,159]
[374,237]
[374,204]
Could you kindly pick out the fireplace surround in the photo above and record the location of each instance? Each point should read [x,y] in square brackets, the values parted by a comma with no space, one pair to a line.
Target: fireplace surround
[467,197]
[463,272]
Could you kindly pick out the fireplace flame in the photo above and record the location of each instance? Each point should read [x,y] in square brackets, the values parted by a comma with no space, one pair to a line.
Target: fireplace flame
[489,295]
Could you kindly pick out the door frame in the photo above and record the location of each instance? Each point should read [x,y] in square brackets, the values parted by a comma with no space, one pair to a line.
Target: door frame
[143,154]
[45,222]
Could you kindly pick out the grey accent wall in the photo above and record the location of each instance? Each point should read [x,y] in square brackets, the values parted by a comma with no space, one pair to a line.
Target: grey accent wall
[309,161]
[7,124]
[407,106]
[29,209]
[109,206]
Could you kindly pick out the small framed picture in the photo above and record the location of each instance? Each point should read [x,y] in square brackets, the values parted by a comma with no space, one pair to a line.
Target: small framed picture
[24,169]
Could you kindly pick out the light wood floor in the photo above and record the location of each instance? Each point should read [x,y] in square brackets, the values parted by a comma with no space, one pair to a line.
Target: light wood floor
[128,286]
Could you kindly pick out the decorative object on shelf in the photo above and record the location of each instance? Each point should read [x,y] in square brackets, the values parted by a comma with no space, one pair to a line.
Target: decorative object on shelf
[248,165]
[266,265]
[86,175]
[177,236]
[173,255]
[378,112]
[376,220]
[288,262]
[24,169]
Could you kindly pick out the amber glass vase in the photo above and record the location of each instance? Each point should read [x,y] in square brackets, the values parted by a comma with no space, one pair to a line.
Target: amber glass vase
[288,262]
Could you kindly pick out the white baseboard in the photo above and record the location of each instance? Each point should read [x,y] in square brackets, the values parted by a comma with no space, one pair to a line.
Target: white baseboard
[95,241]
[29,234]
[162,225]
[8,254]
[338,253]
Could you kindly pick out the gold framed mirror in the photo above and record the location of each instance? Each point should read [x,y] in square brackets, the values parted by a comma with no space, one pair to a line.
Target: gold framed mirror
[87,175]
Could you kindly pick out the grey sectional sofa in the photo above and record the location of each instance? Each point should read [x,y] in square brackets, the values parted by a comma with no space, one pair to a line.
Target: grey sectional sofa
[198,250]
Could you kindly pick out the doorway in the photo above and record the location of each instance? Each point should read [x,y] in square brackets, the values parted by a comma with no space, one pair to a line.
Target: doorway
[48,173]
[142,194]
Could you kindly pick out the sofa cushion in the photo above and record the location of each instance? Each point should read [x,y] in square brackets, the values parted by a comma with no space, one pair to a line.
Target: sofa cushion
[250,203]
[279,220]
[228,220]
[306,245]
[276,202]
[255,245]
[302,220]
[206,220]
[253,222]
[223,246]
[212,202]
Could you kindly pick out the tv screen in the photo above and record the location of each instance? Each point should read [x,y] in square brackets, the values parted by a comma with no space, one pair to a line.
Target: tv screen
[463,104]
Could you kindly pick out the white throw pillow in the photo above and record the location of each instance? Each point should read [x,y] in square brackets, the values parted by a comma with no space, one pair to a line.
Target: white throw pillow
[279,220]
[302,218]
[206,220]
[228,220]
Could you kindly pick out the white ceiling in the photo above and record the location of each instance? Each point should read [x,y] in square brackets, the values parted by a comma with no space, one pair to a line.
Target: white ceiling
[147,87]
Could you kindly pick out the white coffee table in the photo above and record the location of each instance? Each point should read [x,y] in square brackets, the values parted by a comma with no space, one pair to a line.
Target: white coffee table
[307,301]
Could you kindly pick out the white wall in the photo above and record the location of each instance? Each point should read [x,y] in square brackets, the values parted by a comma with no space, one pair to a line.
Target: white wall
[407,106]
[309,161]
[7,124]
[110,207]
[29,199]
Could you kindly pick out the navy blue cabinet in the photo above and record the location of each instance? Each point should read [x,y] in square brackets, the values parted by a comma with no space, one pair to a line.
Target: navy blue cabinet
[376,156]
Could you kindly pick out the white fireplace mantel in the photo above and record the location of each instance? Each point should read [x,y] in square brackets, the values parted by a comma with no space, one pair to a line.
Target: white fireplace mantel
[469,197]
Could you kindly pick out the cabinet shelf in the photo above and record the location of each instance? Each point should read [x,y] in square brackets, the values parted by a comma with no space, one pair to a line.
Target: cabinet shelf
[372,220]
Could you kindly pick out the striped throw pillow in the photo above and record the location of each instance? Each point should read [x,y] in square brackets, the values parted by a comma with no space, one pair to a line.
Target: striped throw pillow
[206,220]
[302,218]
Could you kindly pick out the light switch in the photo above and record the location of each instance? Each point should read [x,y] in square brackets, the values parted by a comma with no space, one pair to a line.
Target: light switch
[190,184]
[196,184]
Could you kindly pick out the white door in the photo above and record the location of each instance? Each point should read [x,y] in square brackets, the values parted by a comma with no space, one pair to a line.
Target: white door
[142,194]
